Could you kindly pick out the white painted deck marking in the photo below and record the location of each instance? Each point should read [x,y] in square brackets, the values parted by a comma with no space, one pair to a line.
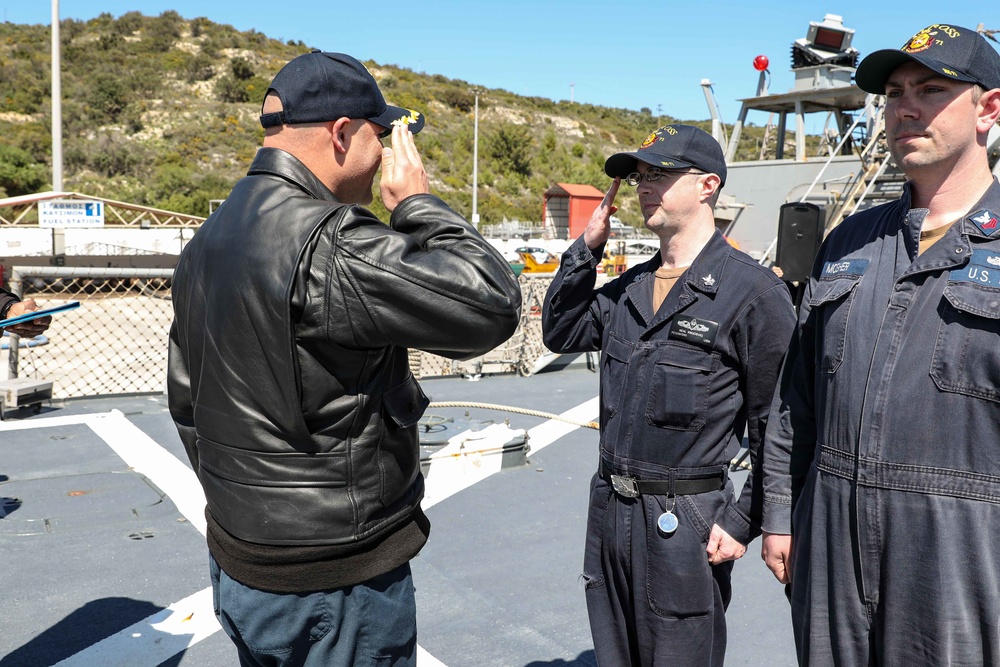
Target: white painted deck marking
[47,422]
[445,481]
[186,622]
[183,624]
[146,456]
[155,639]
[545,434]
[425,659]
[139,452]
[452,470]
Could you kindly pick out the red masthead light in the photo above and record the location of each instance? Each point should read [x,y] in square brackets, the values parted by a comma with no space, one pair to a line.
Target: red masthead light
[760,63]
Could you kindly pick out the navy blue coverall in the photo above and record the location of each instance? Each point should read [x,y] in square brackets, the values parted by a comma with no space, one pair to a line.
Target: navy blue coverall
[678,389]
[883,450]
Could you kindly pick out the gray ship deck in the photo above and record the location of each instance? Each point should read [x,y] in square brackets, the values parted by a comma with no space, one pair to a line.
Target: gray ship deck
[105,562]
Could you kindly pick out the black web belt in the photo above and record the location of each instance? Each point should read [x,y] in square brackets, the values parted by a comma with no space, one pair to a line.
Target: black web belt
[630,487]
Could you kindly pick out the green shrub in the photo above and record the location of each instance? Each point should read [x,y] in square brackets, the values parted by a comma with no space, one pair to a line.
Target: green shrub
[109,41]
[109,96]
[241,68]
[113,155]
[200,68]
[128,24]
[509,146]
[231,89]
[199,26]
[459,99]
[19,174]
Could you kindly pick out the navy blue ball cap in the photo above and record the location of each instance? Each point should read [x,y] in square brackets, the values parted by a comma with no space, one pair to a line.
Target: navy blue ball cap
[318,87]
[672,147]
[949,50]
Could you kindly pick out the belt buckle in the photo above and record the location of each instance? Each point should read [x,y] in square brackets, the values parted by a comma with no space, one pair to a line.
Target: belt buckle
[624,486]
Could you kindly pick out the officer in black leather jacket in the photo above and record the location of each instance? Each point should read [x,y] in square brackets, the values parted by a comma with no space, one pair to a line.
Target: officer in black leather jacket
[289,382]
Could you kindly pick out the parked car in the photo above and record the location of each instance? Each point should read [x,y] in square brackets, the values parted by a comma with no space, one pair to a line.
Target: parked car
[541,255]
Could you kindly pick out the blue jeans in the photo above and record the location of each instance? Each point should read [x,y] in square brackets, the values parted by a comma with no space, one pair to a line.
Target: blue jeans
[373,623]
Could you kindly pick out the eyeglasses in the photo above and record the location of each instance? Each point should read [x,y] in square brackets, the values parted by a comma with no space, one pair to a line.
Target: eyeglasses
[655,174]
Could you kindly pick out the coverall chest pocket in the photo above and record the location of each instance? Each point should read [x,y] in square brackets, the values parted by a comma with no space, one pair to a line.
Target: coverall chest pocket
[967,353]
[831,301]
[678,392]
[617,353]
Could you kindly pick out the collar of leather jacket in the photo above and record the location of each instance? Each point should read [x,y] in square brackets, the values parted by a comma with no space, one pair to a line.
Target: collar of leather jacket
[283,164]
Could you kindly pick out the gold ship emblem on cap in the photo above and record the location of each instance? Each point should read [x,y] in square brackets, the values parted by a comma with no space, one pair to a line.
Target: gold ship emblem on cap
[407,120]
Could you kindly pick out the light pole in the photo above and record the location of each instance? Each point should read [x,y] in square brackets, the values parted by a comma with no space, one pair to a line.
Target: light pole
[57,167]
[475,165]
[58,234]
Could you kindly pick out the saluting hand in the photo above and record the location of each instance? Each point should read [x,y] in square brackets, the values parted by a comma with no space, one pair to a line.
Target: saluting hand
[402,169]
[598,230]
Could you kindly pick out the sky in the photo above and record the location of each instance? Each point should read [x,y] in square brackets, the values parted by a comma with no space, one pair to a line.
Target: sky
[651,53]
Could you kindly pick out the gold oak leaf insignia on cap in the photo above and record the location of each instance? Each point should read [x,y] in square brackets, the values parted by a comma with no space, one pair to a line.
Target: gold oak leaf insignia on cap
[407,120]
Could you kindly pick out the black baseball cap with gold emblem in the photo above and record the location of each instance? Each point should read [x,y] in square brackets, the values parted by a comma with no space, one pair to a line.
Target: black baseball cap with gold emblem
[949,50]
[318,87]
[672,147]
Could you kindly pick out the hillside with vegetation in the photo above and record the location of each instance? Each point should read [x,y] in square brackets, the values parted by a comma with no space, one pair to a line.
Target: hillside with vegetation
[162,111]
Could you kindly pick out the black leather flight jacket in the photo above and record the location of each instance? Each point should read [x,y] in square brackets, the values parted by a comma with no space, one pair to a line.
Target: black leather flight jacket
[288,373]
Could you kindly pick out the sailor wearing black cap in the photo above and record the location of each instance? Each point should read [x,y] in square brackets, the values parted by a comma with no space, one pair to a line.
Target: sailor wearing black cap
[288,375]
[691,343]
[882,456]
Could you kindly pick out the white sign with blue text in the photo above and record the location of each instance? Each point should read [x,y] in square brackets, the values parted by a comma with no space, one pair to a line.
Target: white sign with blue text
[60,213]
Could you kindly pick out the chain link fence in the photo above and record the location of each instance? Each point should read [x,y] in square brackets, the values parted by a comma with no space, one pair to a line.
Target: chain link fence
[517,355]
[116,341]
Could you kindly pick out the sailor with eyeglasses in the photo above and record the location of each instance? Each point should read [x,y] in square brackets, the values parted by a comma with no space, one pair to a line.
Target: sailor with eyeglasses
[691,343]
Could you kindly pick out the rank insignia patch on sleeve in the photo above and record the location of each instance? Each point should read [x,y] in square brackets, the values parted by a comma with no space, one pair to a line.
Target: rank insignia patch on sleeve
[986,221]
